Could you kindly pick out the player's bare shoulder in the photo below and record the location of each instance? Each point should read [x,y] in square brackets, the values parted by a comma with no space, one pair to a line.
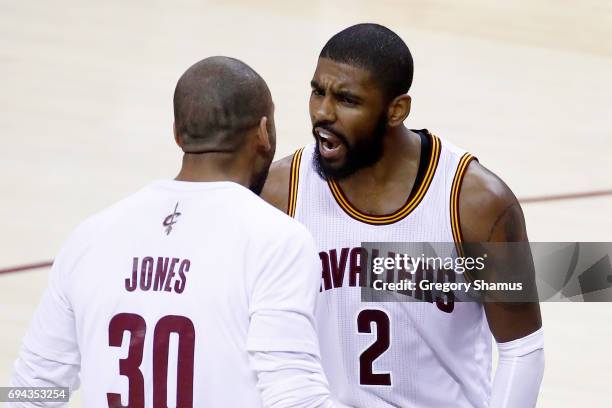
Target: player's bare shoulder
[490,212]
[276,189]
[488,209]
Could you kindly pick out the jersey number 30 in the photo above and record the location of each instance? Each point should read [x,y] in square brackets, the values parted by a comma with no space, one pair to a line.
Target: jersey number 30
[365,318]
[130,366]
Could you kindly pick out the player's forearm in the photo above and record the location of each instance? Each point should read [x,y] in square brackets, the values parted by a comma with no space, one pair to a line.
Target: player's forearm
[519,372]
[290,380]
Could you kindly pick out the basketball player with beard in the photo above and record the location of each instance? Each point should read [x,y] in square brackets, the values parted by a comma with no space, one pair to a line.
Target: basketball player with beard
[368,178]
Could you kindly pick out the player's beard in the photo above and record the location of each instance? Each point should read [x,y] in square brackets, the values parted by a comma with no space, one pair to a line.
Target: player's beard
[258,180]
[358,156]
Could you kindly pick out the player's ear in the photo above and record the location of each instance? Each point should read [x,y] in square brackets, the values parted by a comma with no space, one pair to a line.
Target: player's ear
[263,137]
[176,135]
[399,108]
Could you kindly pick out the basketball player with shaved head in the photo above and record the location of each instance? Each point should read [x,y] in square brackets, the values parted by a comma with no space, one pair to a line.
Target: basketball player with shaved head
[192,292]
[368,178]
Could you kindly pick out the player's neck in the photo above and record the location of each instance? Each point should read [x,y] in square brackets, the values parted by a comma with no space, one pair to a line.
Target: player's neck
[401,152]
[385,186]
[208,167]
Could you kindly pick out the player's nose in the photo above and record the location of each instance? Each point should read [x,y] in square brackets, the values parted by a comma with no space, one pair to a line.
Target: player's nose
[325,111]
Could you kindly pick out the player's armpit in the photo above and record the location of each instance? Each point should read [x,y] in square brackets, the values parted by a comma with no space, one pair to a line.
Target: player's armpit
[489,212]
[276,189]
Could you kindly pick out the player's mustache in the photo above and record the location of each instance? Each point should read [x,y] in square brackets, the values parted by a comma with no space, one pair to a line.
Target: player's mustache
[327,126]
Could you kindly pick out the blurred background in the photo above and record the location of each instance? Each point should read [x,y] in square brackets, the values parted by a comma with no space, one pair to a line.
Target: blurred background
[525,85]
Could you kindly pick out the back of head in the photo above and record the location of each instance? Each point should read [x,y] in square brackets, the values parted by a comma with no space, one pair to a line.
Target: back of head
[216,101]
[377,49]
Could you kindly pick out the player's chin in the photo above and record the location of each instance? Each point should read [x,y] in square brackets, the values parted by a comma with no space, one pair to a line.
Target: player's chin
[332,164]
[332,169]
[336,164]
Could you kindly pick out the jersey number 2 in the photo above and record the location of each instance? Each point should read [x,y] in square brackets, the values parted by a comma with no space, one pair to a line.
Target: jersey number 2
[130,366]
[364,320]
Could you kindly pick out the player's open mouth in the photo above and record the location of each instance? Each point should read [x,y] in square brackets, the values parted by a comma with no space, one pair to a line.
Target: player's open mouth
[331,146]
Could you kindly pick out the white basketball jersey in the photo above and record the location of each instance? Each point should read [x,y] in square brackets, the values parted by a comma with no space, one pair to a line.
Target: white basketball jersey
[393,354]
[157,299]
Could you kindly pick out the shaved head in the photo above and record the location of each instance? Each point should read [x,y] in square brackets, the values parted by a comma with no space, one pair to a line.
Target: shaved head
[216,101]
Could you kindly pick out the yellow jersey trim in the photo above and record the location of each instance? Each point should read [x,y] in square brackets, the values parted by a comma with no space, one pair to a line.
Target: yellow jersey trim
[294,179]
[464,162]
[402,212]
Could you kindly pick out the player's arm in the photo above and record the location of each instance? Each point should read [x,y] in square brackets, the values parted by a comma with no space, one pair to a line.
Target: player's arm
[49,355]
[282,343]
[276,189]
[489,212]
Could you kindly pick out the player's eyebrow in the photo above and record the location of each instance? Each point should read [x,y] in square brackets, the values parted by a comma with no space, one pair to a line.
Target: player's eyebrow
[340,94]
[315,85]
[348,95]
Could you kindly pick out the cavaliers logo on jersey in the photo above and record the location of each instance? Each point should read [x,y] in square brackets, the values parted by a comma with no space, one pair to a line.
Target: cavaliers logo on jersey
[354,262]
[171,219]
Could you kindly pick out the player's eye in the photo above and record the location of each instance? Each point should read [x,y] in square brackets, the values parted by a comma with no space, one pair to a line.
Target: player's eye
[347,100]
[318,92]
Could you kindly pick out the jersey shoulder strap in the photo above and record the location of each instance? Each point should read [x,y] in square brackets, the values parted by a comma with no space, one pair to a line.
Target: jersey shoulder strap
[294,179]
